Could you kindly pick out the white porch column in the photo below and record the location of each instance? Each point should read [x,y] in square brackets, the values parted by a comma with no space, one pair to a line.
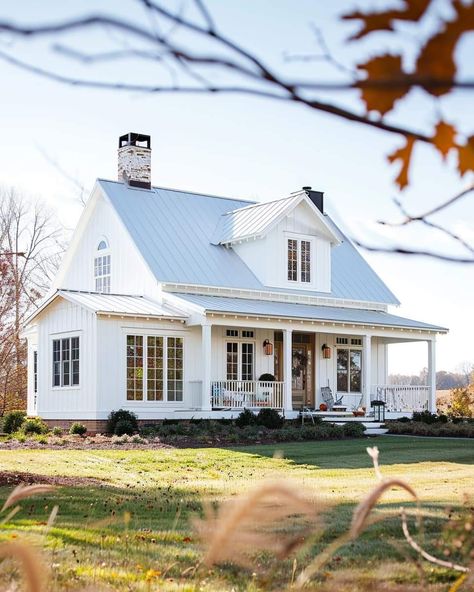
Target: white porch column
[287,365]
[366,369]
[206,332]
[432,375]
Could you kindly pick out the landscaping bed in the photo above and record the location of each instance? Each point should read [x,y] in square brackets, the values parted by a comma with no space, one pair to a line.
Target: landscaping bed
[193,434]
[431,424]
[268,427]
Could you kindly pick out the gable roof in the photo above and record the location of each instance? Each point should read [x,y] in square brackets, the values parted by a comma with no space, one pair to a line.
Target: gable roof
[173,231]
[256,220]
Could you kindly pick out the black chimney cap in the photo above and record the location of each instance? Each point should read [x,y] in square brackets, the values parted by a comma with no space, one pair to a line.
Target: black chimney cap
[132,139]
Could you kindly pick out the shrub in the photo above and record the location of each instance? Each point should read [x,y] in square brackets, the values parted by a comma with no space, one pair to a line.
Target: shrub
[13,421]
[121,414]
[353,429]
[34,425]
[425,417]
[57,431]
[270,418]
[266,377]
[461,402]
[404,419]
[245,418]
[124,426]
[78,429]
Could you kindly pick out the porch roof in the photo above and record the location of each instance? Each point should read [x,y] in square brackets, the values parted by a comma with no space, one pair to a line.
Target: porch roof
[113,304]
[243,306]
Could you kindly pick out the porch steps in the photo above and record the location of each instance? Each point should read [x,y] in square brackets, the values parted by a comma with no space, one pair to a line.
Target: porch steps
[372,428]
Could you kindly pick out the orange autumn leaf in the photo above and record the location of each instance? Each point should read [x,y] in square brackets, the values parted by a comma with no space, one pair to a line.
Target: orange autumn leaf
[383,21]
[444,138]
[466,156]
[382,68]
[404,155]
[436,59]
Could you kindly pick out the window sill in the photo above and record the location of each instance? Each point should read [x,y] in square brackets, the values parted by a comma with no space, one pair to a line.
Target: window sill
[76,387]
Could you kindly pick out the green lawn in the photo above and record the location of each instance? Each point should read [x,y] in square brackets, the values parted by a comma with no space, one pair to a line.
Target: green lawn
[92,544]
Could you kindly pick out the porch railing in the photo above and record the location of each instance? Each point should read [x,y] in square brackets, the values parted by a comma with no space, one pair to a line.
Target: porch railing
[237,394]
[401,398]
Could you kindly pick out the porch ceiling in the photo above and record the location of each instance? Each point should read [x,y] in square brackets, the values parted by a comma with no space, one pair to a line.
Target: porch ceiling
[288,310]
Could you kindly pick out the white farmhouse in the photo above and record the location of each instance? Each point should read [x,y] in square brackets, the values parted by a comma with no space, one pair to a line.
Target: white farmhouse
[177,305]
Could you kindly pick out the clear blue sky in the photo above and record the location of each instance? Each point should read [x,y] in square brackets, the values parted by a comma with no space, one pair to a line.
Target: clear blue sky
[249,147]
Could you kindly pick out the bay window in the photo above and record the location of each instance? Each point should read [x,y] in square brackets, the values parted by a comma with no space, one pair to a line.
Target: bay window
[154,368]
[349,370]
[66,362]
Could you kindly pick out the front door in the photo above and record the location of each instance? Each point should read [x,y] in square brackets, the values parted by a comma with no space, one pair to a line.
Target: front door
[302,370]
[302,367]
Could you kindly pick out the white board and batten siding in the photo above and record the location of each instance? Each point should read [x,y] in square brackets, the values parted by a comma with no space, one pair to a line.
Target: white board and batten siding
[111,380]
[267,257]
[65,319]
[263,364]
[129,273]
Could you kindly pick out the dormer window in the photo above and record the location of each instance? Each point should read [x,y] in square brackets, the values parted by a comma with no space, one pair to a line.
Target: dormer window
[299,260]
[102,268]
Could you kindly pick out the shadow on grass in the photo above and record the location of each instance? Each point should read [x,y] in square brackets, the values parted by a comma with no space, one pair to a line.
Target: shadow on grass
[352,454]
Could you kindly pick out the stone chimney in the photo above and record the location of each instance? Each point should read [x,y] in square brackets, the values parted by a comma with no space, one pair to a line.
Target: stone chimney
[134,160]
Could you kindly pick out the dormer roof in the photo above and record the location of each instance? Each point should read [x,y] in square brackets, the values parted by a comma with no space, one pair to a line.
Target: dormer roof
[256,220]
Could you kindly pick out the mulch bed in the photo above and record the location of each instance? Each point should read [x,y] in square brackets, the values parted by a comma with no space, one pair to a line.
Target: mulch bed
[15,478]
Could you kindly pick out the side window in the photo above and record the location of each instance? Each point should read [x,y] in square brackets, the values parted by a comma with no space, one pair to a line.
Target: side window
[102,268]
[65,371]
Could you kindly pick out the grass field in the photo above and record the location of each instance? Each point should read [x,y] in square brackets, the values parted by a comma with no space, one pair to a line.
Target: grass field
[92,543]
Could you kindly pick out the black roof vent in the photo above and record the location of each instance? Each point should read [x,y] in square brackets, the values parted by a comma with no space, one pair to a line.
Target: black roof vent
[317,197]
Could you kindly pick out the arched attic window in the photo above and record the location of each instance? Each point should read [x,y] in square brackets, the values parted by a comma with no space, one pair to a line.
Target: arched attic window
[102,267]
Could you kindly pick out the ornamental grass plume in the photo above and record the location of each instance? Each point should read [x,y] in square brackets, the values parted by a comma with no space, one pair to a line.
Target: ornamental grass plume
[23,491]
[33,569]
[256,522]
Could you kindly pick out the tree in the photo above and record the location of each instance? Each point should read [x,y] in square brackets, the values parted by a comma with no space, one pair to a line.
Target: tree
[30,248]
[188,46]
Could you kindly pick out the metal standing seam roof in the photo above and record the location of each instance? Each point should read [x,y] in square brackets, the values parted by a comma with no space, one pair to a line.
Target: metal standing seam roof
[223,304]
[117,304]
[173,231]
[253,220]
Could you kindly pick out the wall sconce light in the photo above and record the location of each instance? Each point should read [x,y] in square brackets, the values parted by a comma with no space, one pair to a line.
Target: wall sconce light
[268,347]
[326,352]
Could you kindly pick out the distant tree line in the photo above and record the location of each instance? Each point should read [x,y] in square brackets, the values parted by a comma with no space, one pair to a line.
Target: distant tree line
[444,380]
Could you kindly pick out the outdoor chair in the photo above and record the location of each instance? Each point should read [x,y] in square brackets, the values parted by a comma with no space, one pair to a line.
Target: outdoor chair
[328,398]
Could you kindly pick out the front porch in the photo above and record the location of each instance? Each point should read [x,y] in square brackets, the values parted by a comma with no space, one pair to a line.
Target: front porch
[285,369]
[254,394]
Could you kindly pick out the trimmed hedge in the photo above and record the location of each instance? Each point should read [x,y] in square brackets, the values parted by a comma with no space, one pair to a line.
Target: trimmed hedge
[418,428]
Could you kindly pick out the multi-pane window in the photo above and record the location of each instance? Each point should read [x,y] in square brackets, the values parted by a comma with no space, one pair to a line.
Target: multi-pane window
[102,274]
[135,359]
[154,368]
[65,362]
[349,370]
[305,261]
[175,369]
[240,360]
[292,260]
[299,260]
[154,384]
[232,361]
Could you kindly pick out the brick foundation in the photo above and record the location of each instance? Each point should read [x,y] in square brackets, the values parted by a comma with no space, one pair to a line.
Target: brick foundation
[94,426]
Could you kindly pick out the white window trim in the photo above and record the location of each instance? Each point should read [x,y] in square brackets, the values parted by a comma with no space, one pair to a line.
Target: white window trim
[145,402]
[240,341]
[101,253]
[59,336]
[300,237]
[350,348]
